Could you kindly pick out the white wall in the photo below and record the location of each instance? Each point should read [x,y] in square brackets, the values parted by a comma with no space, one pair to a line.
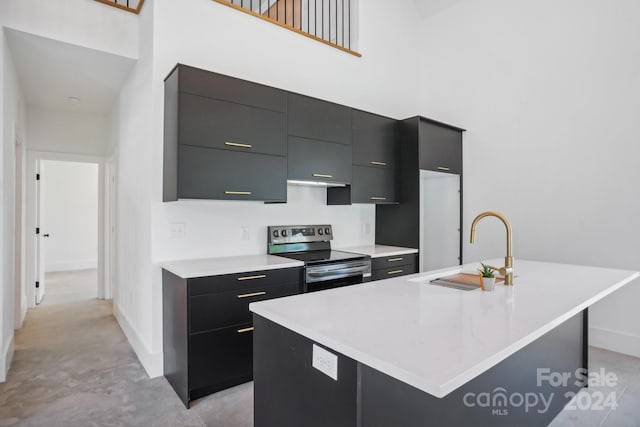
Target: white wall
[69,215]
[66,131]
[80,22]
[549,92]
[12,114]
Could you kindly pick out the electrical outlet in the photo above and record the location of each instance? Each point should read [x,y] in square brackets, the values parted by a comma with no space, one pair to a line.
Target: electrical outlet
[366,228]
[245,231]
[325,362]
[176,230]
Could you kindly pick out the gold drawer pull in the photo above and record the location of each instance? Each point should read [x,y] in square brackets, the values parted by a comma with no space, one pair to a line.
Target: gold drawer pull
[443,168]
[395,259]
[237,144]
[254,294]
[322,175]
[394,272]
[379,163]
[378,198]
[259,276]
[238,193]
[242,331]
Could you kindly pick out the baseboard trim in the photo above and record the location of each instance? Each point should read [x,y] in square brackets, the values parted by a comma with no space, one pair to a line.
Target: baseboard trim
[151,362]
[5,359]
[620,342]
[78,264]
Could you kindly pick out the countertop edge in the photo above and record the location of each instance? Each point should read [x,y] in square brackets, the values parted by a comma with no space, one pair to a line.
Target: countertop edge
[287,263]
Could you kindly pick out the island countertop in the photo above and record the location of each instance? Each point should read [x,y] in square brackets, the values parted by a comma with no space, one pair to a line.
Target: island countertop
[437,339]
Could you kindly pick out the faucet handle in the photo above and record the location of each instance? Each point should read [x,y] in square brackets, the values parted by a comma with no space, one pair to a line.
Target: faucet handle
[502,270]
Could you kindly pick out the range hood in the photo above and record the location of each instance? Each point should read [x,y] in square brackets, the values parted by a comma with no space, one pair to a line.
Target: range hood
[315,183]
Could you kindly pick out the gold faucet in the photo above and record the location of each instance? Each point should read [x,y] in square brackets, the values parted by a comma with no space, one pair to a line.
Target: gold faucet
[507,270]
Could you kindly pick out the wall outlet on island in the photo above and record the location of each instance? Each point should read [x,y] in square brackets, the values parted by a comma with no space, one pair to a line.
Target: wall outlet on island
[325,362]
[176,230]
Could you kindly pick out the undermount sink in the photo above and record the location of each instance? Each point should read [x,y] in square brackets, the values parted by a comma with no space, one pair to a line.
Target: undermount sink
[449,283]
[457,280]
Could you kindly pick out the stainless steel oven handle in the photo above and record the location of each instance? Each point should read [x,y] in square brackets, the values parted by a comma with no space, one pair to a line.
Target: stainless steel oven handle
[359,269]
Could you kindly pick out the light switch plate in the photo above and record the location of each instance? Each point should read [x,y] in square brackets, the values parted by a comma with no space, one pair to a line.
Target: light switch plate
[325,362]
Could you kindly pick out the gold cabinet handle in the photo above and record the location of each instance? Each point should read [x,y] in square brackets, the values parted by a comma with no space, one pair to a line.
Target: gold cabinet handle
[378,198]
[443,168]
[254,294]
[238,193]
[237,144]
[395,259]
[322,175]
[242,331]
[379,163]
[394,272]
[259,276]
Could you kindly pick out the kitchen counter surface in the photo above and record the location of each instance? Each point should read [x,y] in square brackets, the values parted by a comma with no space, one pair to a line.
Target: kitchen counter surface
[378,251]
[437,339]
[188,269]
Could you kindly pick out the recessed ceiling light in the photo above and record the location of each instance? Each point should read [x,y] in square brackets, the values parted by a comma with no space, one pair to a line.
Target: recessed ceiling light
[73,100]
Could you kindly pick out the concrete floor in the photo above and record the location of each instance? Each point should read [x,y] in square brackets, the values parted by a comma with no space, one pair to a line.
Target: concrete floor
[74,367]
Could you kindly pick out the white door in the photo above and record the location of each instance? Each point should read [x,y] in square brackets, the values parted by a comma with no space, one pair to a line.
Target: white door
[41,236]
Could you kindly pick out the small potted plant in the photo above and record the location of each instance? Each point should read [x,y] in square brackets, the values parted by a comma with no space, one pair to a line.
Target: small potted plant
[488,277]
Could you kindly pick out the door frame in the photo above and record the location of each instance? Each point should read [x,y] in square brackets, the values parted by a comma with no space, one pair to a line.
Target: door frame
[33,157]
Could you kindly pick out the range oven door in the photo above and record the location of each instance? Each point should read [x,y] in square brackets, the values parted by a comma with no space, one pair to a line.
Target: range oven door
[328,276]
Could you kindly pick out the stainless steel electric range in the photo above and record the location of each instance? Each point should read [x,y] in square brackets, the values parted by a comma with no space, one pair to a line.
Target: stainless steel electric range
[324,268]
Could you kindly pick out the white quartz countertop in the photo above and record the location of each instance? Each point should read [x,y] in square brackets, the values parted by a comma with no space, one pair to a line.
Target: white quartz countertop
[437,339]
[188,269]
[378,251]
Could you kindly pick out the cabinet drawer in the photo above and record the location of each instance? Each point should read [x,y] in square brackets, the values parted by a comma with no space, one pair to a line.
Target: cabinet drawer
[220,357]
[373,185]
[319,161]
[440,148]
[207,173]
[374,140]
[214,85]
[244,281]
[317,119]
[207,122]
[213,311]
[393,261]
[387,273]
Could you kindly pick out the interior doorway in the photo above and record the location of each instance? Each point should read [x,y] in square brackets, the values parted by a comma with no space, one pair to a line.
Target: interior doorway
[67,214]
[66,207]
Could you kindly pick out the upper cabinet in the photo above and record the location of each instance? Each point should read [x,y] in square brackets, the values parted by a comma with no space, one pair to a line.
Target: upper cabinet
[312,160]
[440,147]
[224,138]
[318,120]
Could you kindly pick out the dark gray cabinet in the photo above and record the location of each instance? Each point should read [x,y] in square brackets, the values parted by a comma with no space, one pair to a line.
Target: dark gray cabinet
[374,140]
[207,327]
[373,185]
[393,266]
[440,147]
[224,138]
[205,173]
[318,120]
[313,160]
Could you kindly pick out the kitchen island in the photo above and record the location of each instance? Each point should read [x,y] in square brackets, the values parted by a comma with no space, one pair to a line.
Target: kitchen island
[405,352]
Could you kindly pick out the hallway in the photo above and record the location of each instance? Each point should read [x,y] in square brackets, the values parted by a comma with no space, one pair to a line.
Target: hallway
[73,366]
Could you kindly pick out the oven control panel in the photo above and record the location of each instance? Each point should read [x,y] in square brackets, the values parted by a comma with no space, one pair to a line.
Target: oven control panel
[282,234]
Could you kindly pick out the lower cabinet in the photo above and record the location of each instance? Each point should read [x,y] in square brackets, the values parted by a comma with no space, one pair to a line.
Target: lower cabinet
[393,266]
[207,327]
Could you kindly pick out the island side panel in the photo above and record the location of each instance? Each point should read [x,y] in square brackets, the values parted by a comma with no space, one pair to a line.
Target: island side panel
[175,333]
[387,401]
[289,391]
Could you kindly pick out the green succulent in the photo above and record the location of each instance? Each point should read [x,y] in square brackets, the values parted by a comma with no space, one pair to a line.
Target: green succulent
[487,271]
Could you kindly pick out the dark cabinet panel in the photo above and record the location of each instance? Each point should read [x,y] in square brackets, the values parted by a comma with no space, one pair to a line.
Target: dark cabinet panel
[390,272]
[244,281]
[321,161]
[440,148]
[212,311]
[214,85]
[206,173]
[207,122]
[374,140]
[220,357]
[373,185]
[393,261]
[316,119]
